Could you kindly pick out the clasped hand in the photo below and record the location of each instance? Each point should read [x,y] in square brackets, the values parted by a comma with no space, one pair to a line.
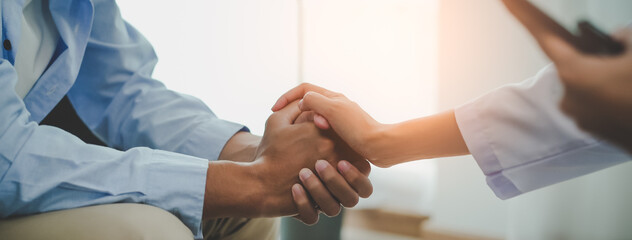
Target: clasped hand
[268,185]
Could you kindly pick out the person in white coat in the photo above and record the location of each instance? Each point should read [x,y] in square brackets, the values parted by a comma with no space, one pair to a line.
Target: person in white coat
[518,134]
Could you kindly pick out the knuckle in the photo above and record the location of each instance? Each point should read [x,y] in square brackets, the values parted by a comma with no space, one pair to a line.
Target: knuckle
[272,118]
[326,146]
[312,184]
[339,95]
[308,97]
[305,85]
[382,164]
[328,178]
[356,180]
[338,104]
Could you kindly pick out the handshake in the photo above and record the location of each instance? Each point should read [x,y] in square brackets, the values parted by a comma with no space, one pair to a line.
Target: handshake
[299,167]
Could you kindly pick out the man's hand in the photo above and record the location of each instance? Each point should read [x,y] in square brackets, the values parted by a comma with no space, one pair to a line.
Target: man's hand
[332,110]
[262,188]
[329,187]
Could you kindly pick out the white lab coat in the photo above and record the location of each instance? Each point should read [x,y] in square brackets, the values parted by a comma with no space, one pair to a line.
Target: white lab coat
[522,141]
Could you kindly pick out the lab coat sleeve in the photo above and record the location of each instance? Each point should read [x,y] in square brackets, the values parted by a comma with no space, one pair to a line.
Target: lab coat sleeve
[44,168]
[522,141]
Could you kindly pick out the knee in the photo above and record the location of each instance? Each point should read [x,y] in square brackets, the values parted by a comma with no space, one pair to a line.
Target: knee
[138,221]
[241,228]
[111,221]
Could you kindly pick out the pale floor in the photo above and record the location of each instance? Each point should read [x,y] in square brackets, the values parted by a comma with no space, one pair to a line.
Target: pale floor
[349,233]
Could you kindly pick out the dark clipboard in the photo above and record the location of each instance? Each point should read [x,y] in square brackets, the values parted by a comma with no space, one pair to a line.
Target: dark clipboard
[589,40]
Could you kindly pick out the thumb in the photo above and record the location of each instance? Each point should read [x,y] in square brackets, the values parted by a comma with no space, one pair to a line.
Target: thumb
[624,35]
[285,116]
[321,122]
[558,49]
[313,101]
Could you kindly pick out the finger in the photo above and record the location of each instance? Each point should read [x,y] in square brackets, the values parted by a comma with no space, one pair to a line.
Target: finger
[356,179]
[320,121]
[552,38]
[311,116]
[305,117]
[624,35]
[307,213]
[298,93]
[336,184]
[319,193]
[320,104]
[287,115]
[558,49]
[362,165]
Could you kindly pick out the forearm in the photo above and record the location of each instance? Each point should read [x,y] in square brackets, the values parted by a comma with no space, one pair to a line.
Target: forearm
[241,147]
[231,183]
[428,137]
[232,190]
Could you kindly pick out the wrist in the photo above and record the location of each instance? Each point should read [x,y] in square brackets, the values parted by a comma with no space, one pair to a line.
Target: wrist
[232,190]
[241,147]
[375,140]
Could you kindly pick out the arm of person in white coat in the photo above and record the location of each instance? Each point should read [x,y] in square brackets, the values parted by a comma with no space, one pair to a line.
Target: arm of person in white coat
[517,134]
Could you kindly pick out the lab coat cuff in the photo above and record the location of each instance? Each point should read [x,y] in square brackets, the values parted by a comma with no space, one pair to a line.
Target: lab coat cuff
[475,133]
[177,183]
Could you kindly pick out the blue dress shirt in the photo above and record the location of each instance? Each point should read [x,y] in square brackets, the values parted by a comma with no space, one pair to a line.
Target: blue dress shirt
[159,140]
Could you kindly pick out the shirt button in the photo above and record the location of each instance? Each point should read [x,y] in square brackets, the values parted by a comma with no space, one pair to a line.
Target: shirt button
[7,44]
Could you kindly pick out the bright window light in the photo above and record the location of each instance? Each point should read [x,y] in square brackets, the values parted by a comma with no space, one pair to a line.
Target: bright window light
[238,56]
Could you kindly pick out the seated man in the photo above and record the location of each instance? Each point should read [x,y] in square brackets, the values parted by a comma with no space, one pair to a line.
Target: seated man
[159,142]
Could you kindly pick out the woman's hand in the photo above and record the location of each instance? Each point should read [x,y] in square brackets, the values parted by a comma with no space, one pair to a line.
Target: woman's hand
[326,188]
[329,188]
[333,110]
[598,89]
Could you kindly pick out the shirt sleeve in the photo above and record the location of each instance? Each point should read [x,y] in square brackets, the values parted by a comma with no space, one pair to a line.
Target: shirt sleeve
[125,107]
[117,98]
[523,142]
[44,168]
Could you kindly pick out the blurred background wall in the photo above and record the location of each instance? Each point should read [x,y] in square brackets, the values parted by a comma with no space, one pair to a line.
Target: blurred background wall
[239,56]
[399,59]
[481,47]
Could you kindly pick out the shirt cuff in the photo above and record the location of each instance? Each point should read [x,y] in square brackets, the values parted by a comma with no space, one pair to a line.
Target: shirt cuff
[210,138]
[177,183]
[475,134]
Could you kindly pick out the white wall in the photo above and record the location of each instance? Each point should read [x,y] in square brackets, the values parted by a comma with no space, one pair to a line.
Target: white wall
[381,54]
[238,56]
[482,47]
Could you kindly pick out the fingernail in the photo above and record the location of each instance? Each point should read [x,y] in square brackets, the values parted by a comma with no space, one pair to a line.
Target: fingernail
[296,189]
[300,104]
[343,166]
[321,165]
[304,174]
[321,122]
[275,105]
